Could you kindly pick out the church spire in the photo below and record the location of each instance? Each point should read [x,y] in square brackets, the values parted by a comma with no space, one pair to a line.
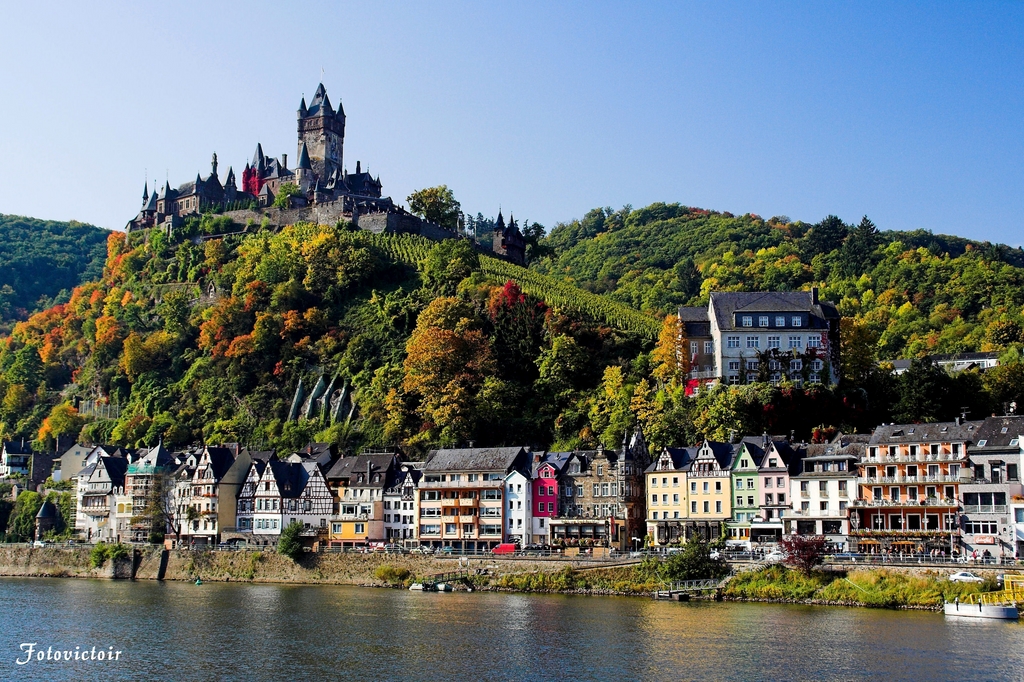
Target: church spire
[145,193]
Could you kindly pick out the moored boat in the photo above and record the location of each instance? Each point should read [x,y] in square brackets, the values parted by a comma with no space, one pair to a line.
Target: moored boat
[978,610]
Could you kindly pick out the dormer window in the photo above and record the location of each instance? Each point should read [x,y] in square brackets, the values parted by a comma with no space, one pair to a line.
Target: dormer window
[748,321]
[762,321]
[796,321]
[780,321]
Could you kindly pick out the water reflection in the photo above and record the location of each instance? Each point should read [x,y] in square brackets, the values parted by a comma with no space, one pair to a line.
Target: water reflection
[232,631]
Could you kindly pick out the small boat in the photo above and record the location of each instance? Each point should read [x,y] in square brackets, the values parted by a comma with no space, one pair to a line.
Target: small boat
[976,610]
[444,587]
[420,587]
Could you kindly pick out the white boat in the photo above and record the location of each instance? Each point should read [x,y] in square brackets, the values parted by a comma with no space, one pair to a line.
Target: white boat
[993,611]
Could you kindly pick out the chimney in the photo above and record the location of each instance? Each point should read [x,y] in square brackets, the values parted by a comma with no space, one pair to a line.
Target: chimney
[814,295]
[958,421]
[358,171]
[284,161]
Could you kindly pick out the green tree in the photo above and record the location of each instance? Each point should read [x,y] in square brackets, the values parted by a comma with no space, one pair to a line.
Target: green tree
[858,252]
[289,543]
[923,393]
[436,204]
[448,263]
[22,524]
[694,562]
[284,194]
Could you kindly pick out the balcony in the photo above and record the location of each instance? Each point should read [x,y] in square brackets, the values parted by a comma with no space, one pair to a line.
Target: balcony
[432,485]
[468,502]
[927,502]
[467,519]
[818,514]
[940,478]
[985,509]
[449,519]
[912,459]
[703,374]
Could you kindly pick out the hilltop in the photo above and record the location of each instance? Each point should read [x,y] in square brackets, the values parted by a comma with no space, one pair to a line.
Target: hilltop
[40,259]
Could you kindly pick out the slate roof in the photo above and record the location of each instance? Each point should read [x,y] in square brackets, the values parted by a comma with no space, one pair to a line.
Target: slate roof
[682,458]
[14,447]
[727,303]
[558,460]
[290,477]
[992,432]
[221,460]
[262,455]
[472,459]
[304,158]
[320,105]
[116,468]
[892,434]
[350,467]
[47,511]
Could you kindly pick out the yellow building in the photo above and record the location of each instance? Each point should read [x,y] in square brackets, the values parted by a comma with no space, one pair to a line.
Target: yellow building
[709,490]
[667,502]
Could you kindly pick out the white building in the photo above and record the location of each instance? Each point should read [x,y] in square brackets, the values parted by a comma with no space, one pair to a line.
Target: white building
[796,334]
[824,488]
[99,487]
[519,500]
[401,508]
[277,493]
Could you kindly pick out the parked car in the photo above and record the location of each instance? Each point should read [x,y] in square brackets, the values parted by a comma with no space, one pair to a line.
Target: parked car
[395,549]
[444,550]
[714,554]
[423,549]
[505,548]
[39,543]
[965,577]
[774,557]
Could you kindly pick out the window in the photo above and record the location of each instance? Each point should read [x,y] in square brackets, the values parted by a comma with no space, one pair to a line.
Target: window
[795,341]
[693,486]
[739,500]
[768,482]
[709,347]
[813,341]
[675,499]
[796,321]
[796,365]
[782,498]
[693,507]
[707,507]
[753,342]
[579,491]
[718,507]
[748,321]
[694,348]
[750,484]
[654,516]
[430,530]
[718,486]
[762,321]
[732,342]
[604,490]
[780,321]
[675,481]
[823,505]
[600,470]
[492,495]
[597,490]
[734,365]
[360,528]
[750,500]
[774,341]
[705,486]
[664,499]
[753,364]
[769,498]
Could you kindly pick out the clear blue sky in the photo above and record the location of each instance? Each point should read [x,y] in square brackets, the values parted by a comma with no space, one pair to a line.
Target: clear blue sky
[911,114]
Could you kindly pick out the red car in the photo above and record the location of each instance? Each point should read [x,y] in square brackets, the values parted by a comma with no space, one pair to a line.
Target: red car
[505,548]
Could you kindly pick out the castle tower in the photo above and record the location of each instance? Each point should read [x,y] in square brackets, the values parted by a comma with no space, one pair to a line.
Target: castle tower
[322,130]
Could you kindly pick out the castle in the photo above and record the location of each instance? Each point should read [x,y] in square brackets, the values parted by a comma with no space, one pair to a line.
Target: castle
[326,191]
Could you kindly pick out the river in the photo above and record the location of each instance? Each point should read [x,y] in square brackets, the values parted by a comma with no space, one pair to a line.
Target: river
[220,631]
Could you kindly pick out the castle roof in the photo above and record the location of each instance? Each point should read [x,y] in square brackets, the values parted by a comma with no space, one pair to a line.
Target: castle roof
[320,105]
[258,160]
[304,157]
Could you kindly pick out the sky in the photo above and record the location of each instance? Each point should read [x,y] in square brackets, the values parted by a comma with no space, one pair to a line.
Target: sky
[910,114]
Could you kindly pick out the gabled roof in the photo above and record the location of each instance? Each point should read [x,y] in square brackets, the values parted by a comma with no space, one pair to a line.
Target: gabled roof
[289,476]
[473,459]
[151,460]
[754,447]
[556,460]
[116,468]
[681,459]
[320,105]
[892,434]
[14,447]
[723,452]
[221,460]
[354,470]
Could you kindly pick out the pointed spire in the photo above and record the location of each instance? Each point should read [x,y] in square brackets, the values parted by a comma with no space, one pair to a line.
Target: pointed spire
[230,180]
[257,159]
[304,158]
[145,192]
[302,108]
[499,224]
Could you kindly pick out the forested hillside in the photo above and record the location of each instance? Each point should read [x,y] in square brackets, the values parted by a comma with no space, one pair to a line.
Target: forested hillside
[41,258]
[427,343]
[913,293]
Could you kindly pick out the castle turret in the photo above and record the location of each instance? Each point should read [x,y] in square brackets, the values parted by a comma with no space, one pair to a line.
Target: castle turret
[145,193]
[322,130]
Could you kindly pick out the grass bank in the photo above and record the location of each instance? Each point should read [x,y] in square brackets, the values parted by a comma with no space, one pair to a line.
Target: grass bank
[878,588]
[628,580]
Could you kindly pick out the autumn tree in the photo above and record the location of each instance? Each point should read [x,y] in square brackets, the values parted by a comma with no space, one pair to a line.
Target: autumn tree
[672,361]
[803,552]
[63,420]
[856,350]
[436,204]
[448,263]
[447,358]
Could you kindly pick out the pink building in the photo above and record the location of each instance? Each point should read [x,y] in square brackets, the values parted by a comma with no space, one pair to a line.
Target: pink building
[546,492]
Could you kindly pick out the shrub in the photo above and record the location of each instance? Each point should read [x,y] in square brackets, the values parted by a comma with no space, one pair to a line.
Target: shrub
[391,574]
[99,555]
[289,544]
[118,551]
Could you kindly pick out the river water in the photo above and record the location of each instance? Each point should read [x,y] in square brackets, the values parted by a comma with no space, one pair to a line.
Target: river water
[220,631]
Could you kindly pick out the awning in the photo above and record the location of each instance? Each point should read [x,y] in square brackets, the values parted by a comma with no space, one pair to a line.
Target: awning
[867,542]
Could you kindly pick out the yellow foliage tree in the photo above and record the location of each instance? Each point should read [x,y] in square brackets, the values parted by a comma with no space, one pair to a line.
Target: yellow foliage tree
[672,362]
